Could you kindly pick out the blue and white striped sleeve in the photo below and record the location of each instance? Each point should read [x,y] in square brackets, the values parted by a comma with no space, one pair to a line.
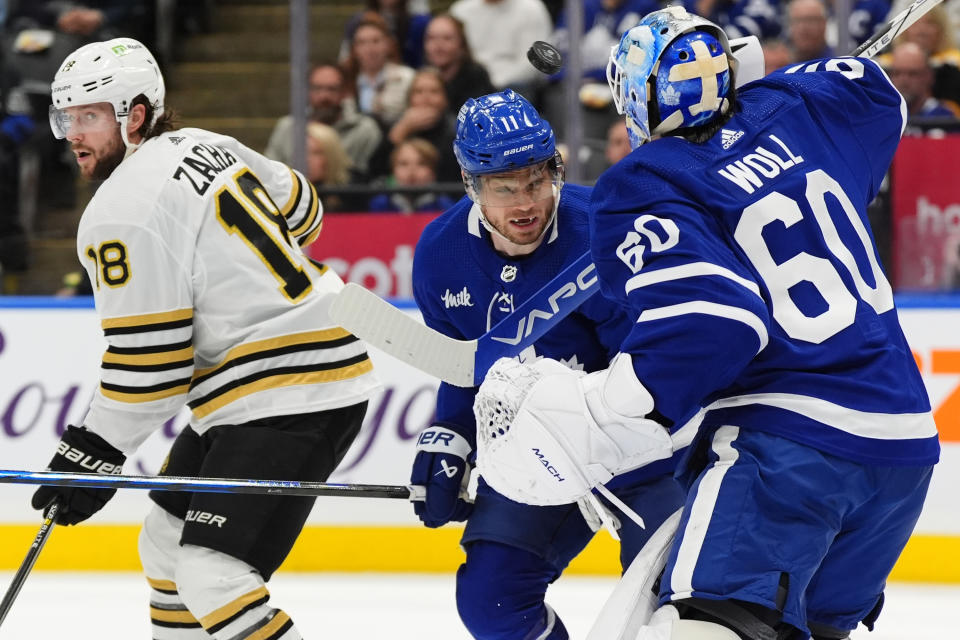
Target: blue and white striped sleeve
[700,315]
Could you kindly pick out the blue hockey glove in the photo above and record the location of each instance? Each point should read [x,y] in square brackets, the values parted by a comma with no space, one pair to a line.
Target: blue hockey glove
[80,451]
[441,467]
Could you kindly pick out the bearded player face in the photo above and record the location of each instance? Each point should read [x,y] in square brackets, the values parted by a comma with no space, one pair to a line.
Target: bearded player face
[94,136]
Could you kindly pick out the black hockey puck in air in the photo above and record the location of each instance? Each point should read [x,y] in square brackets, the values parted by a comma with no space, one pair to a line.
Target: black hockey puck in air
[544,57]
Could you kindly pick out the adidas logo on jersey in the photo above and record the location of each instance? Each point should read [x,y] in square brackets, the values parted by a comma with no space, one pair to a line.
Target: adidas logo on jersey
[728,137]
[176,139]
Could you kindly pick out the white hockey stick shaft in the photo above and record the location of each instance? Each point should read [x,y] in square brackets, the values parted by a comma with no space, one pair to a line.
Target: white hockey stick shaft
[463,362]
[900,22]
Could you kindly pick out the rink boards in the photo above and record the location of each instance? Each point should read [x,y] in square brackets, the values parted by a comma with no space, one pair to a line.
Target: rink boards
[50,353]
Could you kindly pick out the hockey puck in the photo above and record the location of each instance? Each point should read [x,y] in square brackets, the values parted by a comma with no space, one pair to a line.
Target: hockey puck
[544,57]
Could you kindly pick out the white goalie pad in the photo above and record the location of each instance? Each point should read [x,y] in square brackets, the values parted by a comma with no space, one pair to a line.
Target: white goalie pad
[633,601]
[547,435]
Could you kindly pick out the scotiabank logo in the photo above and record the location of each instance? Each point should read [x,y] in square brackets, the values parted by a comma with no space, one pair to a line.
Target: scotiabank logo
[388,278]
[374,250]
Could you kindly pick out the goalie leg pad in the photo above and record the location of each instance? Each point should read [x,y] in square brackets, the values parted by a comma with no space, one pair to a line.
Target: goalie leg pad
[667,625]
[500,594]
[229,597]
[159,544]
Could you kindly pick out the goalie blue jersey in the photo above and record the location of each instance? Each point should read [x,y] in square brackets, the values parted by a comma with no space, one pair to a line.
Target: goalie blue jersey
[464,287]
[749,266]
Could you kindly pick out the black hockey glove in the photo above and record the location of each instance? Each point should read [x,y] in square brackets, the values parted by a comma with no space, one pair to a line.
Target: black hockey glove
[80,451]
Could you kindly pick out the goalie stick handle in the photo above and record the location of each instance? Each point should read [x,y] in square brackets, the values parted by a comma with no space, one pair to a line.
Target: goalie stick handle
[211,485]
[895,27]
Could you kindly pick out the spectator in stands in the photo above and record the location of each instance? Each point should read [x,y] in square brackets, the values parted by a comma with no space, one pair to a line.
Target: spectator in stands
[499,33]
[618,142]
[16,126]
[604,21]
[445,48]
[865,17]
[83,21]
[379,84]
[330,104]
[428,117]
[912,75]
[595,159]
[807,30]
[406,25]
[776,54]
[328,166]
[413,163]
[934,34]
[740,18]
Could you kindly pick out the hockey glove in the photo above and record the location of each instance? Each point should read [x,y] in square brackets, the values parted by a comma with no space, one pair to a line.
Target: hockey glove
[441,467]
[80,451]
[547,435]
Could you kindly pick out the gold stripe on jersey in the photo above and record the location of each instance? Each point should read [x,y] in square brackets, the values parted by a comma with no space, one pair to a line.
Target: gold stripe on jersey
[281,377]
[181,356]
[274,629]
[294,199]
[311,217]
[219,618]
[145,394]
[165,586]
[306,242]
[147,320]
[324,339]
[179,617]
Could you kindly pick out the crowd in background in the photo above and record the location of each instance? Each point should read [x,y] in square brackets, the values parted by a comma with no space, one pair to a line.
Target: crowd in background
[390,101]
[383,114]
[35,37]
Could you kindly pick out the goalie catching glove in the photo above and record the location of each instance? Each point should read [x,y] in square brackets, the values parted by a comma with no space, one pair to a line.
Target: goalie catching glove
[80,451]
[547,435]
[441,467]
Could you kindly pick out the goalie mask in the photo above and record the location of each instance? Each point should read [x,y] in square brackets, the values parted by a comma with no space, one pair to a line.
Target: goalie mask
[669,72]
[501,135]
[116,72]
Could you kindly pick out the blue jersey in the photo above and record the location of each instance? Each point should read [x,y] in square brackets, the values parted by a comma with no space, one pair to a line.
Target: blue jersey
[751,270]
[464,287]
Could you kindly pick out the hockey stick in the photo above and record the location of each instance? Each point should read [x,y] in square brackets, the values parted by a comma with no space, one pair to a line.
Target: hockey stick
[463,362]
[211,485]
[900,22]
[21,576]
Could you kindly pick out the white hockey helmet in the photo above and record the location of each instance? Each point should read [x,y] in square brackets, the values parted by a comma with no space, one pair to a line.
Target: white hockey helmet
[114,71]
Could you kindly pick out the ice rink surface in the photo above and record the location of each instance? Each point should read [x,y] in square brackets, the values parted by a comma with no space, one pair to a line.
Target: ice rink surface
[82,606]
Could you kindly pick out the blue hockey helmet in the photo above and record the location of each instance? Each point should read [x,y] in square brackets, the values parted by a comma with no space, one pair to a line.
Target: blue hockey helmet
[501,133]
[669,72]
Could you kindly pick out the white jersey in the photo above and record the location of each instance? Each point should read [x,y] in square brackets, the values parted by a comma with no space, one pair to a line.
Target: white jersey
[193,247]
